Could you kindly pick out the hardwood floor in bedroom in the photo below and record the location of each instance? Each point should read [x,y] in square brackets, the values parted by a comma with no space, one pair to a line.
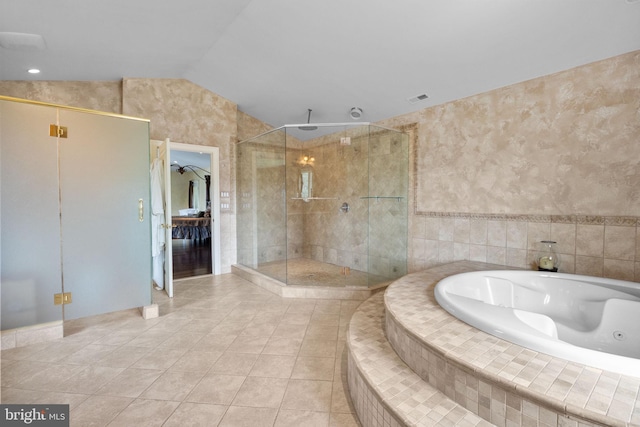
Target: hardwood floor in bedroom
[191,257]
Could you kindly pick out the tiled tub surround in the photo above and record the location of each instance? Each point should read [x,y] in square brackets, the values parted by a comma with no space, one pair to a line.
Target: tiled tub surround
[504,383]
[600,246]
[384,390]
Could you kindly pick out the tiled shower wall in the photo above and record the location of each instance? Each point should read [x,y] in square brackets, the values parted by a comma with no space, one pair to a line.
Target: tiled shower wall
[366,174]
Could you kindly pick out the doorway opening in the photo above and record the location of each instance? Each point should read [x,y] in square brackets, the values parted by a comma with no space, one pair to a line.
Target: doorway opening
[190,173]
[191,224]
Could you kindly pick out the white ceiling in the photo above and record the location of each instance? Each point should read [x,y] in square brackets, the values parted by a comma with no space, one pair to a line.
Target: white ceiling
[276,58]
[191,158]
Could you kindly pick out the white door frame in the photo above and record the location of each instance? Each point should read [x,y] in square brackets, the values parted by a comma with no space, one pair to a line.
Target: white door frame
[214,152]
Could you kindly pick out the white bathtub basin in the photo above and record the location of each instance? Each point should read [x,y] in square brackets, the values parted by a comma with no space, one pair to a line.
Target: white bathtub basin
[589,320]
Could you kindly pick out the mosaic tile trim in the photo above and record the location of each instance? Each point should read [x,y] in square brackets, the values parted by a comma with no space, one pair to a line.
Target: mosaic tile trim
[385,391]
[506,383]
[624,221]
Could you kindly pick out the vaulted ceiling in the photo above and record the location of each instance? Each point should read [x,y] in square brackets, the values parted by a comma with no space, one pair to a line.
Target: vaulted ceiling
[277,58]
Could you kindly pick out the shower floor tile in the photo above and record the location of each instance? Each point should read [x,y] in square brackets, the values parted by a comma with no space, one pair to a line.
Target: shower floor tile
[308,272]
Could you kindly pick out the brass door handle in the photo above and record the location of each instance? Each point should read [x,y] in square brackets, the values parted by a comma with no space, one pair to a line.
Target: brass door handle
[140,210]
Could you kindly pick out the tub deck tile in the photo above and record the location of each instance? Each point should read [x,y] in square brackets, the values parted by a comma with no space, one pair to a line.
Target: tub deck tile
[385,391]
[420,330]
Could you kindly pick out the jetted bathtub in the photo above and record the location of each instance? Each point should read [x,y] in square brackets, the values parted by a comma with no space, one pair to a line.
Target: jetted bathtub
[589,320]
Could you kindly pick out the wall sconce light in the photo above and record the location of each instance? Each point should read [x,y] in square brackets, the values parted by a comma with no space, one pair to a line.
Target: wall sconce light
[307,161]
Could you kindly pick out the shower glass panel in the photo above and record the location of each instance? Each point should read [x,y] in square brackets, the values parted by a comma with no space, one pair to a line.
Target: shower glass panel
[262,211]
[326,207]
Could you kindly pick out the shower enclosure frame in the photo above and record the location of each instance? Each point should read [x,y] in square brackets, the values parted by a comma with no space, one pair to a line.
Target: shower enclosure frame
[268,168]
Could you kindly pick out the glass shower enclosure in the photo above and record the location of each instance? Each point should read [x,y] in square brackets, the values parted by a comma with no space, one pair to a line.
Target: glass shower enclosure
[324,205]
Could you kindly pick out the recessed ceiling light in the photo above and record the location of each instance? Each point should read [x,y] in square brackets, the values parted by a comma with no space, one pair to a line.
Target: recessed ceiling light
[33,71]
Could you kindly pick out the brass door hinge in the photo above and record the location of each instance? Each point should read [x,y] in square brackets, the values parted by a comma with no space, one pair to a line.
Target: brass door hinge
[58,131]
[59,299]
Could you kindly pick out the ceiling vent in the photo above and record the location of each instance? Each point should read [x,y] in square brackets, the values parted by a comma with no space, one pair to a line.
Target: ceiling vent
[418,98]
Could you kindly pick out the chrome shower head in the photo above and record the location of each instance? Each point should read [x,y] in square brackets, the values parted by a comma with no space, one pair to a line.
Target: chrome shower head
[308,127]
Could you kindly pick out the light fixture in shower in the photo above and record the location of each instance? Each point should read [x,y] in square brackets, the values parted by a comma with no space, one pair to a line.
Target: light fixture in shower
[308,126]
[355,113]
[306,160]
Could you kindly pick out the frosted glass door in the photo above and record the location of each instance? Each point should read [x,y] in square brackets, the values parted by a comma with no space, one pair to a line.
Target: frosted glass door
[29,215]
[104,177]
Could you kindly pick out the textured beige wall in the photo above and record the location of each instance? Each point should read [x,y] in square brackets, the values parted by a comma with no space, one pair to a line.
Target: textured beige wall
[561,144]
[177,109]
[553,158]
[97,95]
[185,112]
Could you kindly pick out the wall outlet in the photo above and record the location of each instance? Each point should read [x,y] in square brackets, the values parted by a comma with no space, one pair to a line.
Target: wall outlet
[345,140]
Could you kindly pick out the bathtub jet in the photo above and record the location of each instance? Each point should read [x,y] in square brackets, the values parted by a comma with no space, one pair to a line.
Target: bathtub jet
[589,320]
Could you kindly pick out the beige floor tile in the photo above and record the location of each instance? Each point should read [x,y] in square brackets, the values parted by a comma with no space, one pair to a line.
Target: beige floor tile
[200,325]
[55,352]
[51,378]
[261,392]
[302,306]
[90,354]
[196,415]
[313,368]
[222,351]
[288,330]
[248,344]
[123,357]
[318,348]
[216,389]
[273,366]
[161,359]
[183,339]
[283,346]
[308,395]
[343,420]
[320,318]
[328,306]
[71,399]
[98,411]
[118,338]
[214,342]
[24,353]
[290,418]
[296,318]
[130,382]
[88,380]
[173,386]
[14,374]
[196,361]
[148,413]
[259,328]
[230,328]
[321,332]
[238,416]
[340,399]
[234,364]
[150,338]
[18,395]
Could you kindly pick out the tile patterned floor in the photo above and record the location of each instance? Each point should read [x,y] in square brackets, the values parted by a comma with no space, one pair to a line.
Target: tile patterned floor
[308,272]
[223,352]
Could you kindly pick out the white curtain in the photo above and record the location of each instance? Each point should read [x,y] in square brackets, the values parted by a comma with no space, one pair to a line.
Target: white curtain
[157,219]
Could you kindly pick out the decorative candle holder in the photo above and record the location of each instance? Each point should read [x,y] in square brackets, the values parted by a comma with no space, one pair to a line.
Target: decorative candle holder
[547,258]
